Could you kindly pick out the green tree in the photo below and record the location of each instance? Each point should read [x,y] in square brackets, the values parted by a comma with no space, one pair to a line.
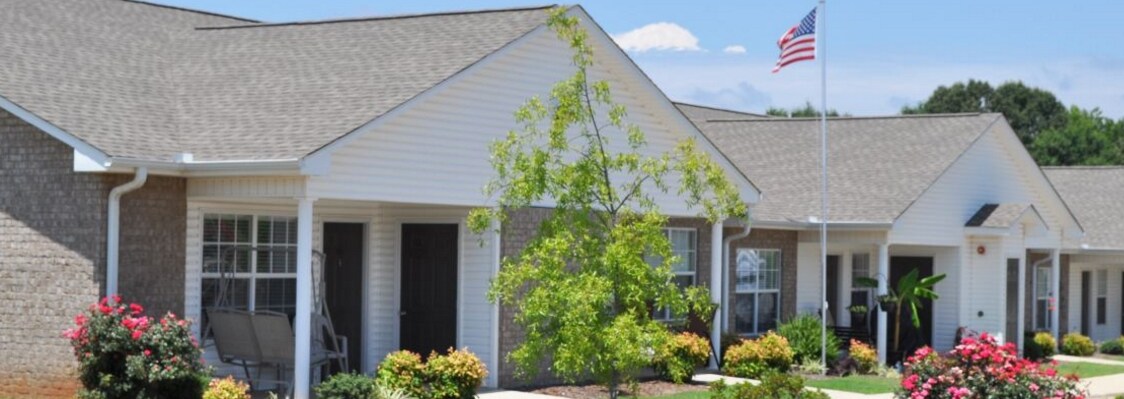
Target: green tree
[583,288]
[1029,110]
[1088,138]
[806,111]
[959,97]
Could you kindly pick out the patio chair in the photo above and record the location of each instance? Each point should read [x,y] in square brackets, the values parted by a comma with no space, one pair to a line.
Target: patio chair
[326,344]
[234,339]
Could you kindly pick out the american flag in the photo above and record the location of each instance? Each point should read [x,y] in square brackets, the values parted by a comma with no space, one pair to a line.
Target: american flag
[798,43]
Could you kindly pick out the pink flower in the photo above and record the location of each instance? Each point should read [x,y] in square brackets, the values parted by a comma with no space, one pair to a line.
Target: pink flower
[136,309]
[137,335]
[147,352]
[1033,387]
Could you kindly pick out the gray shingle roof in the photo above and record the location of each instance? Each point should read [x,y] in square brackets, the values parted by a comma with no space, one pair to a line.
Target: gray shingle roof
[143,81]
[700,112]
[878,166]
[997,215]
[1096,197]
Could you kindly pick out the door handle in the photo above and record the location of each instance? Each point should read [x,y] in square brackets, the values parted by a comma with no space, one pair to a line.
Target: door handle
[402,314]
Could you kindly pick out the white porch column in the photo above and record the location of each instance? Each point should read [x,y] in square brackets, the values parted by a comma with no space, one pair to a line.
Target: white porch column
[883,289]
[1021,300]
[717,289]
[303,323]
[1056,291]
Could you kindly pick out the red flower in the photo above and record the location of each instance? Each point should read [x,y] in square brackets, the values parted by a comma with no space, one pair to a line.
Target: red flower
[137,335]
[136,309]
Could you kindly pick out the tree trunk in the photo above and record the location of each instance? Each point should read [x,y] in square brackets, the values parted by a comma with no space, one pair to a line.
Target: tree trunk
[897,327]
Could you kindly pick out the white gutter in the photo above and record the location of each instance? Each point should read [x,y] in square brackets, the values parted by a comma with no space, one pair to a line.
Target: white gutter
[724,268]
[113,239]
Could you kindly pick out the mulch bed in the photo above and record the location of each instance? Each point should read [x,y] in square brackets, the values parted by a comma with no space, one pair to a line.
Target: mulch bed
[644,389]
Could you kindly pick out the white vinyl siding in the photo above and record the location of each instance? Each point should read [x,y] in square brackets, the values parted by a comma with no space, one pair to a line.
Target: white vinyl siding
[437,151]
[990,171]
[757,290]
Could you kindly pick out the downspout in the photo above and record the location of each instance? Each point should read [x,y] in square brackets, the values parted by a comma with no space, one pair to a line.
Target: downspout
[725,305]
[113,235]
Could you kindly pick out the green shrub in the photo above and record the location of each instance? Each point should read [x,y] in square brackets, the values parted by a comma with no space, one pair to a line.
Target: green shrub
[1113,346]
[866,357]
[754,358]
[227,388]
[122,353]
[1041,345]
[803,333]
[728,339]
[347,386]
[774,385]
[677,359]
[1075,344]
[454,375]
[403,370]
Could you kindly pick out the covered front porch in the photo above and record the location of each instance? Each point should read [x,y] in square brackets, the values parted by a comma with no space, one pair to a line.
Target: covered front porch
[387,275]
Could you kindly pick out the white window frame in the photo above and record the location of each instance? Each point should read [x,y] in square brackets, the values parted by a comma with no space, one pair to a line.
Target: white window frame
[253,275]
[1042,279]
[757,291]
[1101,290]
[855,276]
[665,314]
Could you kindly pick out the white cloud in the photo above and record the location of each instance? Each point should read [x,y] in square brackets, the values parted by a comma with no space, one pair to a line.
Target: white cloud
[734,49]
[658,36]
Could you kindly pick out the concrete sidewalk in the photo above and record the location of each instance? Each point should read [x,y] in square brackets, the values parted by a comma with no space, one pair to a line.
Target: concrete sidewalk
[709,378]
[1103,386]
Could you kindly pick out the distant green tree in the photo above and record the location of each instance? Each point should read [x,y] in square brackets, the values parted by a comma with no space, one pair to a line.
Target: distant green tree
[1088,138]
[1029,110]
[807,111]
[959,97]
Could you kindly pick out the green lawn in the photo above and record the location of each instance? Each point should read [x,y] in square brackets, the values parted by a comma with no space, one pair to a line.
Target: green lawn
[865,384]
[1086,370]
[684,395]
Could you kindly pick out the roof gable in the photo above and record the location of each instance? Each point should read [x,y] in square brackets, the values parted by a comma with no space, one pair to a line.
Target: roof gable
[1096,197]
[140,81]
[877,166]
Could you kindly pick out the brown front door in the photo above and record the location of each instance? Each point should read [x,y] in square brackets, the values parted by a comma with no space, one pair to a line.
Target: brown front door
[343,283]
[428,313]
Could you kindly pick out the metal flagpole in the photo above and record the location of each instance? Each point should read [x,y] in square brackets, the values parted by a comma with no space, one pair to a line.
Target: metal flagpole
[821,47]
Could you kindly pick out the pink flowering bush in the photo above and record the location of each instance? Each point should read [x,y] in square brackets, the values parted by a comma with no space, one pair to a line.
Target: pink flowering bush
[980,368]
[124,354]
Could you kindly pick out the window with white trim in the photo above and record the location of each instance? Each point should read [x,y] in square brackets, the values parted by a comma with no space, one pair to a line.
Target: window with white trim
[757,292]
[1102,296]
[1042,301]
[684,245]
[264,279]
[860,268]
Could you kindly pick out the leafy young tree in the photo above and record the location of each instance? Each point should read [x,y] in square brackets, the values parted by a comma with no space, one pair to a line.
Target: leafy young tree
[583,288]
[909,292]
[1088,138]
[807,111]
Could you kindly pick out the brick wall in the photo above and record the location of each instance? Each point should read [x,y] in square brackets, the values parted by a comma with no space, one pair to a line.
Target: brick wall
[784,240]
[52,254]
[153,237]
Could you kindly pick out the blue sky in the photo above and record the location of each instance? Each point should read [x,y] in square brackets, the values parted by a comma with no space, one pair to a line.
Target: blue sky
[881,54]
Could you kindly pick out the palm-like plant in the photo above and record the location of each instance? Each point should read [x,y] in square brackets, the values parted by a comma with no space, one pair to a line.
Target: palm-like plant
[910,291]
